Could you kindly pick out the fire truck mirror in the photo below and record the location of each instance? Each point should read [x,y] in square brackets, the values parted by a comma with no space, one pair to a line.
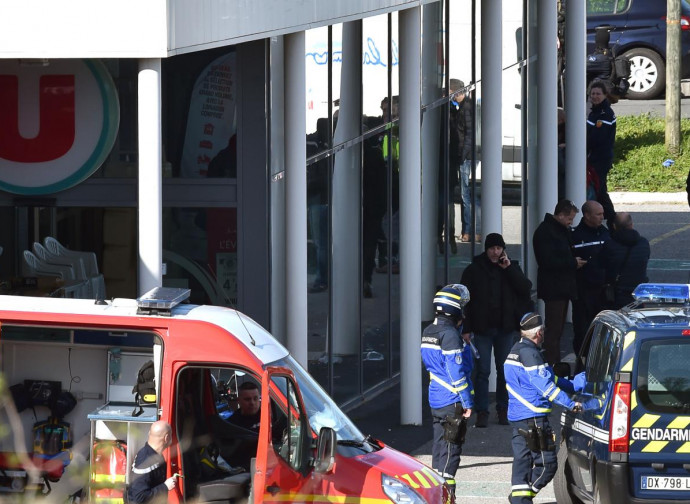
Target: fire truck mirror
[325,451]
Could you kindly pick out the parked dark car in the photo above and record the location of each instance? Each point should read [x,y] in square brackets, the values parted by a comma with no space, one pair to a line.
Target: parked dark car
[639,34]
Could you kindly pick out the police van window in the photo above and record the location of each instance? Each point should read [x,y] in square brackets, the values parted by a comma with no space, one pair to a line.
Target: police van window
[663,378]
[603,356]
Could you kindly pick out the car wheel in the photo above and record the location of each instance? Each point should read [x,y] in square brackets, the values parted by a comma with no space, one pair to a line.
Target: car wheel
[561,481]
[647,74]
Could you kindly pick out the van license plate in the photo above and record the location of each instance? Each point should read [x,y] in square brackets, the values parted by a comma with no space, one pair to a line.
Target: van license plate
[665,483]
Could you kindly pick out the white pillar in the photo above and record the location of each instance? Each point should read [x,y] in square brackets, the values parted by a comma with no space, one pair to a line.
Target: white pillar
[432,82]
[346,199]
[547,131]
[296,197]
[492,132]
[531,205]
[277,129]
[575,100]
[150,198]
[410,217]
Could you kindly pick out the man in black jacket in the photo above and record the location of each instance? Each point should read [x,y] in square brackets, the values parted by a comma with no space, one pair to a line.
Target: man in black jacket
[625,257]
[556,269]
[499,296]
[588,239]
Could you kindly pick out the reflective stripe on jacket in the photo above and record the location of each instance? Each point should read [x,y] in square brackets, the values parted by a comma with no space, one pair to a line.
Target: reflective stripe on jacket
[531,383]
[449,363]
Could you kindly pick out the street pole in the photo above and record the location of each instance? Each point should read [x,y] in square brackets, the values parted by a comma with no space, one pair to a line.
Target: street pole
[673,77]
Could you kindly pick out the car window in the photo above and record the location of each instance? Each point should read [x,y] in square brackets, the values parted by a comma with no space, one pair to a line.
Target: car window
[607,6]
[603,355]
[663,376]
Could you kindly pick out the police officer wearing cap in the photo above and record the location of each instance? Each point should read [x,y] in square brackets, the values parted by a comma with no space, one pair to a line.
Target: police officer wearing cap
[448,359]
[532,387]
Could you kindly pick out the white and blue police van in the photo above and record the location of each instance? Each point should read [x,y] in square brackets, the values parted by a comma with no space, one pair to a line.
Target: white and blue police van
[635,447]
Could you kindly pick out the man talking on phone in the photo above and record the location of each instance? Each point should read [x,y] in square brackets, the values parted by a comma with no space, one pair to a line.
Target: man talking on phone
[499,296]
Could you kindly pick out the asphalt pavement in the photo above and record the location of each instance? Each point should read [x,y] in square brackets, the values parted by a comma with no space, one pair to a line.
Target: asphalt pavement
[484,474]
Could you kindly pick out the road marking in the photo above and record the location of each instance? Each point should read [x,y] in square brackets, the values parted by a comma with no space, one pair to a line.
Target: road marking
[668,264]
[656,240]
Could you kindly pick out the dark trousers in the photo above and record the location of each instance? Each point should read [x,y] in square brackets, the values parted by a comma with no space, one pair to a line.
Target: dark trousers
[605,200]
[555,312]
[445,456]
[532,470]
[501,342]
[585,308]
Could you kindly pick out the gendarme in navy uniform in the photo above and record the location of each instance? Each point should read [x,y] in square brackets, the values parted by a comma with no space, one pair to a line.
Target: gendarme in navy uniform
[532,387]
[148,482]
[448,359]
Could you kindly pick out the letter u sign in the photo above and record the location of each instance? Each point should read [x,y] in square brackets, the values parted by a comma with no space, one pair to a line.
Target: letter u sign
[56,120]
[58,124]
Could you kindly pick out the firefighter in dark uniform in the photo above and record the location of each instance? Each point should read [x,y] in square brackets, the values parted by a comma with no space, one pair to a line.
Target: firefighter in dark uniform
[532,387]
[148,471]
[448,359]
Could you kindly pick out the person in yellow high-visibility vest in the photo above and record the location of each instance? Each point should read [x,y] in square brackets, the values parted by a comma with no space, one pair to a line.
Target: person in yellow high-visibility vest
[390,148]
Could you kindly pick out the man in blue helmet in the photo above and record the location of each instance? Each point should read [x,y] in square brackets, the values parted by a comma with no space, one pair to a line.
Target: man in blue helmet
[448,359]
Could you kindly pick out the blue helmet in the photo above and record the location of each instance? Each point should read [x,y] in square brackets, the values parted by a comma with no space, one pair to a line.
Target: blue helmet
[451,300]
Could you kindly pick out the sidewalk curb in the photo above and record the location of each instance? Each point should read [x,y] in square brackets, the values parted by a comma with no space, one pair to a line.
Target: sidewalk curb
[675,198]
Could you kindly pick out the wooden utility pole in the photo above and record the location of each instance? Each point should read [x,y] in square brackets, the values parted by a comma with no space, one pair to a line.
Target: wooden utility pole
[673,77]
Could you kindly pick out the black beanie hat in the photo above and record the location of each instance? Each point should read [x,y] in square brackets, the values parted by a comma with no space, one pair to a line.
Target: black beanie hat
[493,239]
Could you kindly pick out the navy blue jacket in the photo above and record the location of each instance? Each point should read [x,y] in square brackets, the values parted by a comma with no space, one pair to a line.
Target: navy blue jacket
[633,271]
[461,125]
[531,383]
[148,477]
[587,244]
[601,135]
[449,363]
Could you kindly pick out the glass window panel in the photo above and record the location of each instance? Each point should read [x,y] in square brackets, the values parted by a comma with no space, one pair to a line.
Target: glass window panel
[375,278]
[375,67]
[200,115]
[109,233]
[462,121]
[200,253]
[433,52]
[317,67]
[318,268]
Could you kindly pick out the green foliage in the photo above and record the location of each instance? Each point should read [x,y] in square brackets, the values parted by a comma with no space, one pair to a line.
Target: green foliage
[639,154]
[606,6]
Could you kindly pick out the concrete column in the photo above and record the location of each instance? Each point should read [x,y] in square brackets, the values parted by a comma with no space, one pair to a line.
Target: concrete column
[547,131]
[277,161]
[150,198]
[296,197]
[346,200]
[410,217]
[575,100]
[492,131]
[531,205]
[432,83]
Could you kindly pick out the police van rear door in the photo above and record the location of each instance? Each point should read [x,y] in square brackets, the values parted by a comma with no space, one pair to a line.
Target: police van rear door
[659,456]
